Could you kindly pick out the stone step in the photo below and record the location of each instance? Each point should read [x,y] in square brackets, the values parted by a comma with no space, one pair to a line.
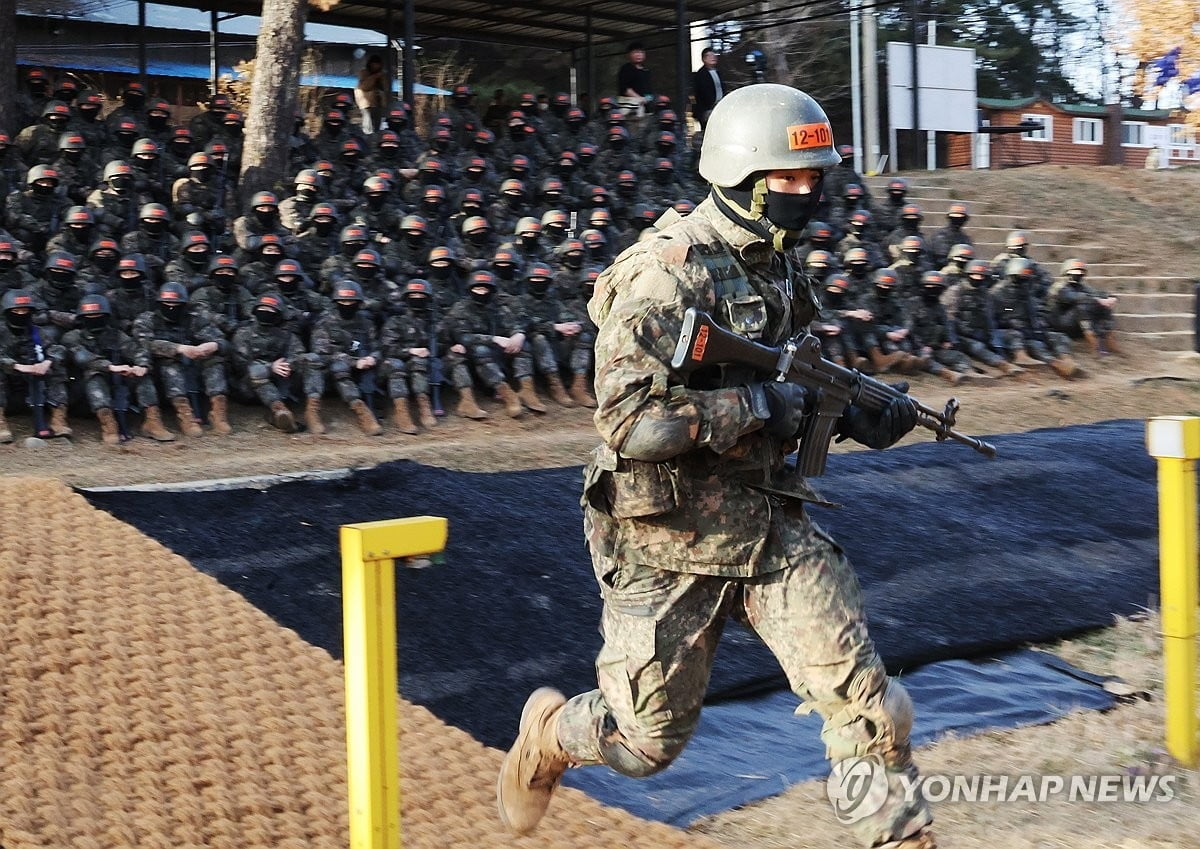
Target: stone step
[938,207]
[1132,284]
[1151,303]
[1176,340]
[878,186]
[1160,323]
[1118,268]
[1049,255]
[1037,234]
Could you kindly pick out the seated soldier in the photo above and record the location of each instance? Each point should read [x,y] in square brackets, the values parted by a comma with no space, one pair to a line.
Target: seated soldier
[549,327]
[1080,311]
[115,369]
[272,364]
[972,312]
[409,341]
[346,341]
[31,367]
[889,345]
[1018,310]
[932,333]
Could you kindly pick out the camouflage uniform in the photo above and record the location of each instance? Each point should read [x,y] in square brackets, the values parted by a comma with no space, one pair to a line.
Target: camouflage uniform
[1019,311]
[93,351]
[28,347]
[162,339]
[256,346]
[472,325]
[340,342]
[1075,308]
[713,528]
[972,312]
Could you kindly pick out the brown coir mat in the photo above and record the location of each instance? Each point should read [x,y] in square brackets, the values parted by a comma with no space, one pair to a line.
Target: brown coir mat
[143,704]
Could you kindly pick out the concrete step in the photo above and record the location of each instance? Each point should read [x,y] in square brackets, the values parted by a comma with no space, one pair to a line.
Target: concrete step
[938,207]
[1115,269]
[878,187]
[1037,234]
[1130,285]
[1160,323]
[1176,340]
[1050,256]
[1152,303]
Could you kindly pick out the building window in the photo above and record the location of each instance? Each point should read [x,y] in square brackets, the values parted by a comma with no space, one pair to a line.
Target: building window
[1088,131]
[1045,133]
[1180,134]
[1133,133]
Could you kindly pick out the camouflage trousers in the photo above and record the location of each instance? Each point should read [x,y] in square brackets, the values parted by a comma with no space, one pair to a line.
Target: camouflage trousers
[977,350]
[1085,317]
[16,383]
[180,376]
[353,383]
[307,380]
[488,363]
[100,390]
[661,631]
[949,358]
[405,378]
[1047,346]
[551,354]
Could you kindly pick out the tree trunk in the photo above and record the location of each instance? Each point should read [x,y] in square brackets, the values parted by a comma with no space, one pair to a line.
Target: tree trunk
[8,67]
[273,95]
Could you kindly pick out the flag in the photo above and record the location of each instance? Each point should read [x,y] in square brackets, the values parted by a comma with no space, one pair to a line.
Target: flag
[1166,68]
[1192,84]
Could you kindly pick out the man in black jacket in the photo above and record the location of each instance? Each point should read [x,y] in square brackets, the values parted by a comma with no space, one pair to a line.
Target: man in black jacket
[707,86]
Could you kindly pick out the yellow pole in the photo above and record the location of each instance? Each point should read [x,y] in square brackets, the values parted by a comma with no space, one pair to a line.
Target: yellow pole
[369,551]
[1175,442]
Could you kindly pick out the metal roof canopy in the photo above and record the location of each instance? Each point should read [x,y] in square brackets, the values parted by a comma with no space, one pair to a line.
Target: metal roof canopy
[535,24]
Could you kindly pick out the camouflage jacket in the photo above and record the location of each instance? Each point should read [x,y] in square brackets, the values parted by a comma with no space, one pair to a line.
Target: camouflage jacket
[93,352]
[253,343]
[686,479]
[335,338]
[163,338]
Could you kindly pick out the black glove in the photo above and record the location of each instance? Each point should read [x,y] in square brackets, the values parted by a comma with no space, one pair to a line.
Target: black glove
[881,429]
[781,405]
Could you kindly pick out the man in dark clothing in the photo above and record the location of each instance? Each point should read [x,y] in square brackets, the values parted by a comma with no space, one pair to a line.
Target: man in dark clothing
[707,87]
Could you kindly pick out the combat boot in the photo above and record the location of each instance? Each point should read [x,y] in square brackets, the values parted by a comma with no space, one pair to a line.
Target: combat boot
[218,415]
[581,393]
[467,408]
[1093,341]
[923,839]
[5,434]
[529,397]
[425,412]
[109,434]
[152,426]
[58,421]
[558,392]
[312,416]
[953,377]
[1009,369]
[512,404]
[279,416]
[884,362]
[402,416]
[1022,358]
[1111,345]
[1067,368]
[913,364]
[187,421]
[366,419]
[534,765]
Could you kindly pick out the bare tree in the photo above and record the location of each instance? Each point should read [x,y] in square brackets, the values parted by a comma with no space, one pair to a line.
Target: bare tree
[274,92]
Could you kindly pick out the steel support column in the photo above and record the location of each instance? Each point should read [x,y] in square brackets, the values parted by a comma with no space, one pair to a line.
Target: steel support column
[141,47]
[410,62]
[214,41]
[683,49]
[389,67]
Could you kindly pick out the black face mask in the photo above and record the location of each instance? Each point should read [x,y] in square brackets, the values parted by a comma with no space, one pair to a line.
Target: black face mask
[573,260]
[914,258]
[196,259]
[539,288]
[351,248]
[482,298]
[19,322]
[641,224]
[266,219]
[483,148]
[627,191]
[596,252]
[306,193]
[105,262]
[270,257]
[74,157]
[201,175]
[1075,280]
[516,133]
[529,242]
[287,285]
[154,226]
[418,304]
[323,228]
[565,170]
[268,318]
[478,238]
[504,272]
[432,209]
[586,159]
[441,145]
[835,298]
[514,201]
[375,201]
[931,295]
[956,223]
[367,272]
[60,279]
[617,144]
[347,311]
[978,282]
[439,272]
[883,291]
[663,177]
[95,323]
[156,122]
[132,284]
[43,191]
[89,114]
[414,240]
[134,101]
[7,263]
[897,198]
[225,282]
[172,313]
[790,211]
[858,272]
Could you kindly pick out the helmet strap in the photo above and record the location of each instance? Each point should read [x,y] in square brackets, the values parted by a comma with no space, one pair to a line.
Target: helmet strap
[748,207]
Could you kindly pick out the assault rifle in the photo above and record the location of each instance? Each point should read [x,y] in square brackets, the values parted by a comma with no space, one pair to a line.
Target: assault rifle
[702,342]
[437,375]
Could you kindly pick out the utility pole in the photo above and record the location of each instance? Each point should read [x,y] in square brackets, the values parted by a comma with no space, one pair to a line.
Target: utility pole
[871,93]
[915,6]
[931,135]
[856,85]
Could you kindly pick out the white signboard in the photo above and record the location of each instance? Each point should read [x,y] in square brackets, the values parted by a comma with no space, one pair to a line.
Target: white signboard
[946,94]
[1157,136]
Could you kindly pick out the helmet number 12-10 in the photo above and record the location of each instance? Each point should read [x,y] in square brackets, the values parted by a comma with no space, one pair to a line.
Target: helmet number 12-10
[804,136]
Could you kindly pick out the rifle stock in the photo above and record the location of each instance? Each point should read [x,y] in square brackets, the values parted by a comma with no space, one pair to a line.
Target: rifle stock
[702,342]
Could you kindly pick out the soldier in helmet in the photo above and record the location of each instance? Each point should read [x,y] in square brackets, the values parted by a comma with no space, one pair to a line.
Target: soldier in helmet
[667,594]
[59,292]
[188,353]
[887,214]
[190,268]
[549,328]
[37,144]
[860,233]
[909,267]
[32,98]
[34,215]
[12,171]
[950,235]
[932,333]
[152,239]
[263,218]
[377,211]
[132,108]
[321,237]
[1031,341]
[408,341]
[85,119]
[98,267]
[117,201]
[972,313]
[843,174]
[1080,311]
[347,343]
[1016,246]
[272,364]
[957,259]
[208,123]
[910,219]
[12,275]
[75,167]
[134,293]
[887,332]
[31,365]
[77,233]
[195,199]
[115,370]
[294,212]
[226,300]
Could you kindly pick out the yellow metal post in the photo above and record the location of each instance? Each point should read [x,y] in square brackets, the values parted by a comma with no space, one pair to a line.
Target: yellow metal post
[1175,442]
[369,551]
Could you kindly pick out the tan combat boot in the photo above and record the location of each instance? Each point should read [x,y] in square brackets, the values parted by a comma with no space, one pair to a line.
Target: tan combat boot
[923,839]
[558,392]
[218,415]
[1009,369]
[109,433]
[534,765]
[885,362]
[402,416]
[1067,368]
[58,421]
[5,434]
[1022,358]
[187,422]
[152,426]
[281,417]
[425,412]
[366,419]
[512,404]
[312,416]
[467,408]
[581,392]
[1111,345]
[1092,340]
[952,377]
[529,397]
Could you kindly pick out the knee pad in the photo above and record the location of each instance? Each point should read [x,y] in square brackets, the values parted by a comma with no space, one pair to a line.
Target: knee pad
[641,756]
[878,718]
